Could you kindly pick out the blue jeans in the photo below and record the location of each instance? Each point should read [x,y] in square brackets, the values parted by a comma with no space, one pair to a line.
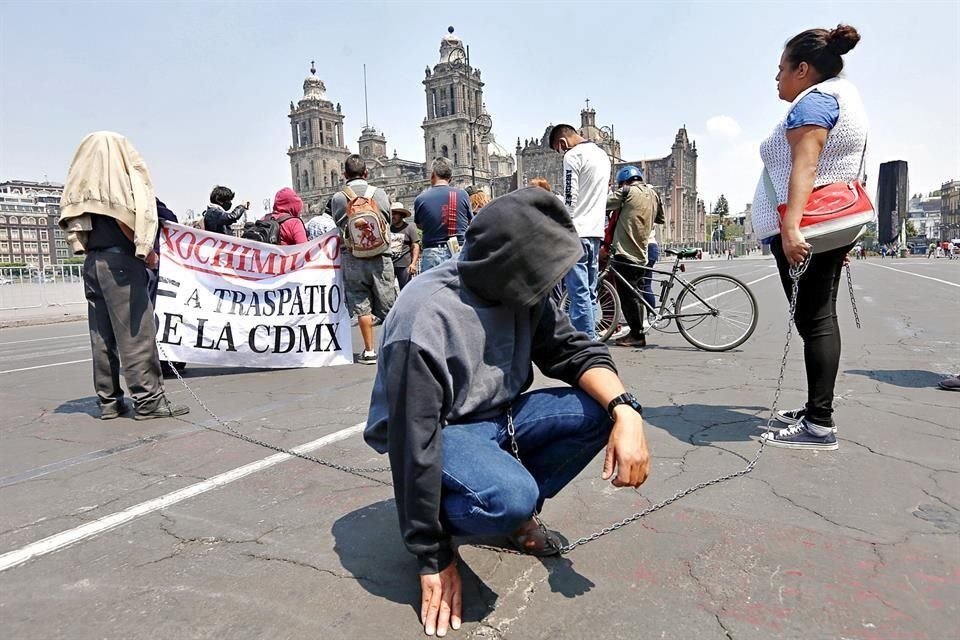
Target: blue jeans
[653,254]
[486,491]
[432,256]
[581,283]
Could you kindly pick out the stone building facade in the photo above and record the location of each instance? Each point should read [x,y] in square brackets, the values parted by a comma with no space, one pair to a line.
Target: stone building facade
[29,234]
[318,149]
[453,127]
[675,179]
[673,176]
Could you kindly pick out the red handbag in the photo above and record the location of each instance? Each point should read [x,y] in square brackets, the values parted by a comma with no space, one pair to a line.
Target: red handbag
[836,215]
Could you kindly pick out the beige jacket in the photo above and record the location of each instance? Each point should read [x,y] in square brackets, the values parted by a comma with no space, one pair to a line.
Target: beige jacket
[108,177]
[639,206]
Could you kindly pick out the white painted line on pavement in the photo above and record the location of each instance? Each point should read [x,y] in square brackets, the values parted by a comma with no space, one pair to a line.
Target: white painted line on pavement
[44,366]
[72,536]
[77,335]
[918,275]
[723,293]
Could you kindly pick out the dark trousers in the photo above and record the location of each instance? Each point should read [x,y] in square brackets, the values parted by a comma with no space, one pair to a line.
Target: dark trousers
[122,330]
[402,274]
[816,322]
[630,304]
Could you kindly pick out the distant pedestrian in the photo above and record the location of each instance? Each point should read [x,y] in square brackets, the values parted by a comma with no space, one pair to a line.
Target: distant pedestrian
[586,174]
[164,214]
[287,207]
[219,217]
[443,212]
[404,244]
[543,183]
[361,211]
[821,141]
[478,200]
[109,211]
[637,205]
[321,224]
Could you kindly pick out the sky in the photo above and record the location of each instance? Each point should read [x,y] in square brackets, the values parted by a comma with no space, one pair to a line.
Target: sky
[203,88]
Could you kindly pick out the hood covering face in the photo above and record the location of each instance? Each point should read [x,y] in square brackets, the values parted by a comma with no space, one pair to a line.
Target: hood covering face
[520,248]
[288,202]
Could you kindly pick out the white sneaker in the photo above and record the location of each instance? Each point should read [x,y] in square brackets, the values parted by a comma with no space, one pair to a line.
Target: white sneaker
[622,331]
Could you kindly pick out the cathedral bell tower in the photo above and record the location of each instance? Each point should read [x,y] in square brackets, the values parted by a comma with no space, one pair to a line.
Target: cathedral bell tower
[318,149]
[456,124]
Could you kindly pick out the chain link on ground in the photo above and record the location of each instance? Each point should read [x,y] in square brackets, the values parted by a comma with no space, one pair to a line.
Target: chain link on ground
[233,433]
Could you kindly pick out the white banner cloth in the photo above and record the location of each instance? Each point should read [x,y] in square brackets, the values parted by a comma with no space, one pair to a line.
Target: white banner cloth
[233,302]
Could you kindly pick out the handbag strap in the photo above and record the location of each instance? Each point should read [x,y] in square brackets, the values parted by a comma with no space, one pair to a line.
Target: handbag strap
[768,187]
[863,160]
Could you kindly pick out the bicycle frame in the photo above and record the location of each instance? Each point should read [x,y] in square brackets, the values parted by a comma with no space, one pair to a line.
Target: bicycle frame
[666,286]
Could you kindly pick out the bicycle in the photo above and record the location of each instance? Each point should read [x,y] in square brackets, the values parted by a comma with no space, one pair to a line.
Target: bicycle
[713,312]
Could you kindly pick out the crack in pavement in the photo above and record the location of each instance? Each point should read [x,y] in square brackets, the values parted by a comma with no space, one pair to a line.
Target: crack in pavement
[796,504]
[183,543]
[887,455]
[307,565]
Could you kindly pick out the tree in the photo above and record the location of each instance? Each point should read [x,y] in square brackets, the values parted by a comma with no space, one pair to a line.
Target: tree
[722,208]
[911,229]
[733,231]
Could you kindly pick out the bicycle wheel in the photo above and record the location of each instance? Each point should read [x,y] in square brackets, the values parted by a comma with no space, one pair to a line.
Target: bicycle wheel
[722,314]
[609,310]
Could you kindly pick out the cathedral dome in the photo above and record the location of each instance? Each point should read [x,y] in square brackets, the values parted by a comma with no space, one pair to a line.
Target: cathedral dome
[497,149]
[313,87]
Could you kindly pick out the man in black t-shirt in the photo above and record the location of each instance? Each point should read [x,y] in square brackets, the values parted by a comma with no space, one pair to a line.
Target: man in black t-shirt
[404,244]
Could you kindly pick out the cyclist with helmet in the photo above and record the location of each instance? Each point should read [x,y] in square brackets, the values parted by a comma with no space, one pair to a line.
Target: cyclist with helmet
[639,207]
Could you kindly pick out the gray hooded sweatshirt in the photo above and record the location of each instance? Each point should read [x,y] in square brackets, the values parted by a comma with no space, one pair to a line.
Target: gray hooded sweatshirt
[460,344]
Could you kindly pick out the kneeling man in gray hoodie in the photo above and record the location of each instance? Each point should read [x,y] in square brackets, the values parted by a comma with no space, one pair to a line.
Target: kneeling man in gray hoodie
[473,452]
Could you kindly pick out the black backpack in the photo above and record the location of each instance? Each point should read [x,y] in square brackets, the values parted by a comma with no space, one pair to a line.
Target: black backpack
[266,230]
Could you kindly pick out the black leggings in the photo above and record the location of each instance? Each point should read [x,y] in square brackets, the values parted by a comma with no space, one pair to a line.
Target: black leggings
[816,321]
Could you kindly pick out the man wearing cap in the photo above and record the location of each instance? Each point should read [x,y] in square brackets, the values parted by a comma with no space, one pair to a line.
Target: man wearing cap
[404,244]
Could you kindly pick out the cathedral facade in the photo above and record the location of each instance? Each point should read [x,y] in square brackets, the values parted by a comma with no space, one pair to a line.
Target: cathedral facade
[457,126]
[674,176]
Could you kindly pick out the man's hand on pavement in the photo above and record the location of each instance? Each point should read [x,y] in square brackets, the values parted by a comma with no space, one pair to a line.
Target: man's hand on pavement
[441,603]
[627,450]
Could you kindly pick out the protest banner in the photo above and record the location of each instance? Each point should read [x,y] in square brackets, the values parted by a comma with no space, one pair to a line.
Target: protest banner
[228,301]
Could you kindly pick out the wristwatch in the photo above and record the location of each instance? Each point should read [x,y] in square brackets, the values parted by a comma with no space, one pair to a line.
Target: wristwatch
[627,399]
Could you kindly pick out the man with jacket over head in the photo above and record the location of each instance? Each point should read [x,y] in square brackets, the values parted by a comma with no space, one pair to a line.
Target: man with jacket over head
[109,212]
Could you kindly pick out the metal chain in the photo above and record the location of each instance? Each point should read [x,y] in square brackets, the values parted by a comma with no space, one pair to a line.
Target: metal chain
[512,433]
[853,300]
[795,273]
[232,432]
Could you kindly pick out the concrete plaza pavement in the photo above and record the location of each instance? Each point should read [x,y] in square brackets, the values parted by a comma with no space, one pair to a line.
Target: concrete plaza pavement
[176,531]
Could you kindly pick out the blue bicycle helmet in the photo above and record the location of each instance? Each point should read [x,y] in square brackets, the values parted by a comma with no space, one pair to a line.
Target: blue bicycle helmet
[628,173]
